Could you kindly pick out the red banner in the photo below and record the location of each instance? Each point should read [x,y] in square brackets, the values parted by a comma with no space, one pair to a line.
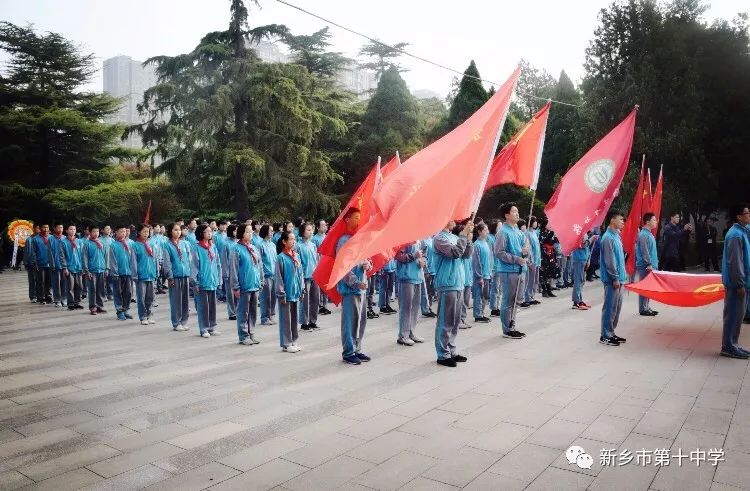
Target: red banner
[680,289]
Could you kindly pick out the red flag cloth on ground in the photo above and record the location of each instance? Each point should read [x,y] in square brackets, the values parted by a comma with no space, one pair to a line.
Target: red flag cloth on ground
[518,162]
[632,225]
[440,183]
[586,191]
[656,199]
[680,289]
[148,213]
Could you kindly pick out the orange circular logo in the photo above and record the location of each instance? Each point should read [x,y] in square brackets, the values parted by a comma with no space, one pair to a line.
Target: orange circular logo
[712,288]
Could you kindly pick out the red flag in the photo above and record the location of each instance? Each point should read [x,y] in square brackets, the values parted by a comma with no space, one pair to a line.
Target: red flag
[680,289]
[632,225]
[656,199]
[647,205]
[586,191]
[440,183]
[518,162]
[148,213]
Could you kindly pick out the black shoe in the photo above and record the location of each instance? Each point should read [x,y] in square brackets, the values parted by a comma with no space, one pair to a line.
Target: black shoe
[430,314]
[71,307]
[523,334]
[352,360]
[609,341]
[495,313]
[647,314]
[371,314]
[363,357]
[545,294]
[513,335]
[746,320]
[324,311]
[481,319]
[100,311]
[734,354]
[306,327]
[550,294]
[448,362]
[459,358]
[654,312]
[314,326]
[619,339]
[535,302]
[524,305]
[232,317]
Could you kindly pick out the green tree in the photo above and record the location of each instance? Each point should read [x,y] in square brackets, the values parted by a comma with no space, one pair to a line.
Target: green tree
[311,51]
[231,128]
[381,57]
[533,87]
[52,138]
[471,96]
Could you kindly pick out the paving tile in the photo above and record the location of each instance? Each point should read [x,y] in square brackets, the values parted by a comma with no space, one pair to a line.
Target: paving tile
[580,411]
[197,479]
[534,414]
[525,462]
[375,426]
[74,479]
[266,476]
[609,429]
[366,410]
[331,475]
[29,444]
[206,435]
[430,423]
[138,478]
[326,426]
[323,450]
[489,480]
[74,460]
[662,425]
[557,433]
[629,477]
[260,454]
[558,479]
[422,484]
[13,480]
[467,403]
[386,446]
[136,458]
[147,437]
[465,466]
[673,403]
[502,438]
[396,471]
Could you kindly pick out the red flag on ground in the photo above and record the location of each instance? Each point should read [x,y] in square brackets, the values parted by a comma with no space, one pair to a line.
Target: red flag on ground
[518,161]
[586,191]
[632,224]
[680,289]
[148,213]
[656,199]
[440,183]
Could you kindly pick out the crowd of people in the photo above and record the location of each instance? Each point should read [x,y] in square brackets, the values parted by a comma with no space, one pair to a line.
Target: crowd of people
[263,273]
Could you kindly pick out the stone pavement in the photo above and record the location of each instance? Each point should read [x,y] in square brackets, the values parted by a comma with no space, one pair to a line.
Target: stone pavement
[90,402]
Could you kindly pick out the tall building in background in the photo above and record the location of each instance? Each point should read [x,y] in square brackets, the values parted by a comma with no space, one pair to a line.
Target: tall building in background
[126,79]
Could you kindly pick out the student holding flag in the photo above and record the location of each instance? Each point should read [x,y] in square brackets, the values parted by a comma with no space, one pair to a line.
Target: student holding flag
[177,271]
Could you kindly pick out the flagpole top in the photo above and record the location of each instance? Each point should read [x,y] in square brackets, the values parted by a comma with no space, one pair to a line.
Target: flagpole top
[636,107]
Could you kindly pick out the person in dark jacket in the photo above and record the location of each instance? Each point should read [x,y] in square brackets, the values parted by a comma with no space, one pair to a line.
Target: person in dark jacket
[706,239]
[675,237]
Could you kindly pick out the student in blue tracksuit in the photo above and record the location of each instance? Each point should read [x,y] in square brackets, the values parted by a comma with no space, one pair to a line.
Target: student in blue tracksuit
[70,261]
[646,258]
[387,280]
[613,276]
[496,279]
[523,280]
[43,264]
[144,274]
[269,257]
[352,288]
[224,252]
[535,261]
[308,255]
[219,239]
[482,271]
[428,292]
[28,262]
[410,276]
[58,278]
[205,272]
[289,290]
[192,227]
[105,237]
[321,229]
[468,280]
[177,266]
[120,268]
[94,260]
[256,240]
[246,278]
[511,256]
[579,261]
[450,249]
[735,276]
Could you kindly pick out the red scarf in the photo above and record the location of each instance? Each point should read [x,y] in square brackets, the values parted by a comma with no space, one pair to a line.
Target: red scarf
[45,238]
[96,241]
[72,242]
[177,246]
[251,251]
[125,245]
[149,251]
[293,255]
[204,244]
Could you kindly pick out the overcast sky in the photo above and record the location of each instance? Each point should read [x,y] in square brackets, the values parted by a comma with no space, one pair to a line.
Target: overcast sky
[551,34]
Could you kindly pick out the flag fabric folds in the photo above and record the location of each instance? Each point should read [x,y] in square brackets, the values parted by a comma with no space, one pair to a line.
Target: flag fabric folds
[680,289]
[587,190]
[633,222]
[442,182]
[518,162]
[656,199]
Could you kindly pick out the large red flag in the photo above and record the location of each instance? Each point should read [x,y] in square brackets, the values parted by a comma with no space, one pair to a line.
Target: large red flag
[632,224]
[442,182]
[518,161]
[648,196]
[586,191]
[656,199]
[680,289]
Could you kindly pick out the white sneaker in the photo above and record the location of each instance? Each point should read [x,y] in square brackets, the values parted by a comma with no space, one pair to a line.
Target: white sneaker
[58,304]
[298,347]
[266,323]
[291,349]
[185,327]
[215,332]
[151,320]
[144,322]
[405,342]
[179,328]
[416,339]
[205,335]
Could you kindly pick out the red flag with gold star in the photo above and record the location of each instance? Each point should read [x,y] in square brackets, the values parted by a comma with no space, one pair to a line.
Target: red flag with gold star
[680,289]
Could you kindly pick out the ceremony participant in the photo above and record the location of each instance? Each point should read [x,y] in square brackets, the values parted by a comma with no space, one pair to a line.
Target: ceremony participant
[579,260]
[308,256]
[523,279]
[321,230]
[674,235]
[158,241]
[70,261]
[387,284]
[371,281]
[59,296]
[646,258]
[205,271]
[177,271]
[735,275]
[535,261]
[706,240]
[219,238]
[256,240]
[105,237]
[449,284]
[482,268]
[352,289]
[289,290]
[428,293]
[120,268]
[192,226]
[549,269]
[613,276]
[94,265]
[28,262]
[268,292]
[496,279]
[410,276]
[43,264]
[468,280]
[144,274]
[224,252]
[511,253]
[246,278]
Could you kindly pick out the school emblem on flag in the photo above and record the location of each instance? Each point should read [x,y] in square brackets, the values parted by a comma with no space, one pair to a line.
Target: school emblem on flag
[599,174]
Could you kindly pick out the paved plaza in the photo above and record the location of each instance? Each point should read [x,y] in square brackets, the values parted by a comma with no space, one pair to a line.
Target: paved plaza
[93,403]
